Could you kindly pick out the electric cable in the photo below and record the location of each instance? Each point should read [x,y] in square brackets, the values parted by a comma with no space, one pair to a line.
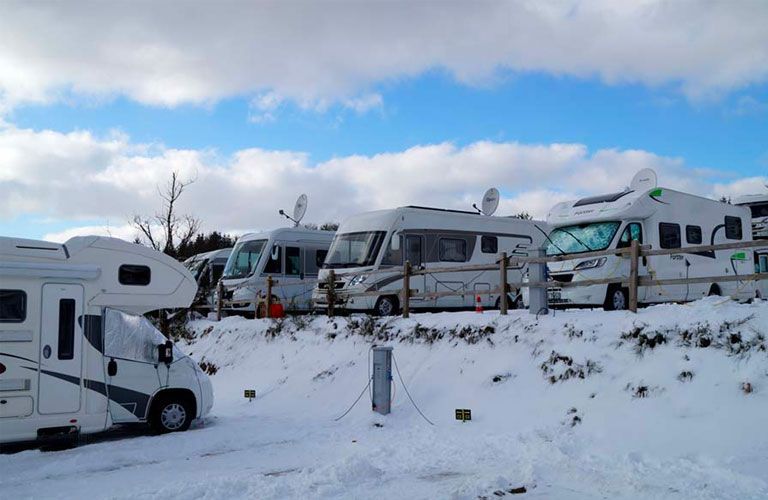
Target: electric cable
[355,403]
[408,393]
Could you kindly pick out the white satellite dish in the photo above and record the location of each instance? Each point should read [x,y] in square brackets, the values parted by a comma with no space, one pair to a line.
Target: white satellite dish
[300,208]
[644,179]
[490,201]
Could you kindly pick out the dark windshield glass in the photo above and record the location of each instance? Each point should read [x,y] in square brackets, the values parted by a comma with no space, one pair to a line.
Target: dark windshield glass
[244,258]
[581,238]
[354,249]
[760,210]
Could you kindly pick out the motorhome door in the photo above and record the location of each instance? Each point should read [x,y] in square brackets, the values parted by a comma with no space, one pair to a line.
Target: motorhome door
[61,337]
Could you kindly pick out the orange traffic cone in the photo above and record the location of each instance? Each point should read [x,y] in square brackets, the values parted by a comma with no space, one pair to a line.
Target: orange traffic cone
[479,305]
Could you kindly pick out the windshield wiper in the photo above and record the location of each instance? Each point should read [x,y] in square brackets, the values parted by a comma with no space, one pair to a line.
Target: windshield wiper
[578,240]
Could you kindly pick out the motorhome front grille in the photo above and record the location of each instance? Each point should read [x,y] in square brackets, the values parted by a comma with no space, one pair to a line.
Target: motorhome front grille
[563,278]
[336,285]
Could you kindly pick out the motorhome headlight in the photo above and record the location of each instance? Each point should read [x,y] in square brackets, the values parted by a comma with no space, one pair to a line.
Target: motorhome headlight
[590,264]
[358,280]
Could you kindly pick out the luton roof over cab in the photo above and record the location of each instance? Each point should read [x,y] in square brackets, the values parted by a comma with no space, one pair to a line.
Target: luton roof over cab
[117,274]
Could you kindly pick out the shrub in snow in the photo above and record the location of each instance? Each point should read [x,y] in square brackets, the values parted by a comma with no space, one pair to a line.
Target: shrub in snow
[558,368]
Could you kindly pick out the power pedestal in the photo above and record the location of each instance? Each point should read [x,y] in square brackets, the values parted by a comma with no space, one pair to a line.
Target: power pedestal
[537,296]
[382,379]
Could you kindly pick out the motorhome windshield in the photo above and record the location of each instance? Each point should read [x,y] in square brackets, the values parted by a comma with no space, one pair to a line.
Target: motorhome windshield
[581,238]
[195,267]
[354,249]
[244,258]
[760,210]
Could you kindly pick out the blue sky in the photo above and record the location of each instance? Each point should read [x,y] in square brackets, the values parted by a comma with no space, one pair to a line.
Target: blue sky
[259,102]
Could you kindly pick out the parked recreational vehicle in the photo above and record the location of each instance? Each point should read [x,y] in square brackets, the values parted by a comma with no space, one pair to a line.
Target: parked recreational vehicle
[207,269]
[758,206]
[428,238]
[657,217]
[292,256]
[75,354]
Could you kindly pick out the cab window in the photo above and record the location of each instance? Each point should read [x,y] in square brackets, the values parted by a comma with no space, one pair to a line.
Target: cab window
[274,263]
[633,232]
[292,261]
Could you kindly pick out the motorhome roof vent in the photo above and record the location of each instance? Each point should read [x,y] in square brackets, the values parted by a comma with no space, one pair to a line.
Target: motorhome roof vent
[603,198]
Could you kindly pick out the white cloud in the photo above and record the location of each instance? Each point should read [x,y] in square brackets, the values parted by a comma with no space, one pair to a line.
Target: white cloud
[167,53]
[78,177]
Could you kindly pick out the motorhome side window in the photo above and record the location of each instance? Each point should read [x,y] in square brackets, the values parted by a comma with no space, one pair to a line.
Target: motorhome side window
[320,258]
[733,228]
[693,235]
[13,306]
[413,249]
[489,244]
[393,257]
[453,250]
[274,264]
[633,232]
[134,275]
[292,261]
[669,235]
[66,348]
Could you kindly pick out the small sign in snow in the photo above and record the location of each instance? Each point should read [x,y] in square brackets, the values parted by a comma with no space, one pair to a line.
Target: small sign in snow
[463,414]
[250,394]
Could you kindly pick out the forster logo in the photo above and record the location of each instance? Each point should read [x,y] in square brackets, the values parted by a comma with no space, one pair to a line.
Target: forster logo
[583,212]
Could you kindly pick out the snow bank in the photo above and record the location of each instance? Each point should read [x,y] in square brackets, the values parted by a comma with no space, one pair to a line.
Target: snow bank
[578,404]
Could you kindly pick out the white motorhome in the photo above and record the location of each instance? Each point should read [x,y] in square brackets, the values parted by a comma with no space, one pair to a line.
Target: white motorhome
[426,237]
[292,256]
[659,218]
[76,356]
[207,269]
[758,206]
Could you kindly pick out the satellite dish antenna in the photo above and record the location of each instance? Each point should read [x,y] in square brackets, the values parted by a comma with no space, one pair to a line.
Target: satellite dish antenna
[490,202]
[299,209]
[644,179]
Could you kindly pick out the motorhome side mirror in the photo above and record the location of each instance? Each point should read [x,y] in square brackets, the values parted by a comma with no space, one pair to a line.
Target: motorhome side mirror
[165,352]
[275,252]
[394,243]
[112,367]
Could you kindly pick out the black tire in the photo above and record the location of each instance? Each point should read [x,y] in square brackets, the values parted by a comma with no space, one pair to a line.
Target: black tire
[714,291]
[171,414]
[386,306]
[616,299]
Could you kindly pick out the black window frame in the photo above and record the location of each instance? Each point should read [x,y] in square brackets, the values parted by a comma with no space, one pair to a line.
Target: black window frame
[730,222]
[494,244]
[407,250]
[23,316]
[676,228]
[66,341]
[440,253]
[127,273]
[270,260]
[694,230]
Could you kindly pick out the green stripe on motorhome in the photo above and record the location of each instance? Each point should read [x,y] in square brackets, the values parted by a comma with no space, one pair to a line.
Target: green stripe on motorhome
[739,256]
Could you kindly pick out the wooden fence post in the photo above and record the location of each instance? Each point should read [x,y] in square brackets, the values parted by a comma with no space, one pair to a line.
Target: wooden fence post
[503,284]
[268,312]
[406,295]
[220,299]
[634,257]
[330,292]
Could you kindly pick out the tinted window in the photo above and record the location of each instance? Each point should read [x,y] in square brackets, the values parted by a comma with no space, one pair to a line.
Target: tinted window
[453,250]
[66,328]
[292,261]
[489,244]
[760,210]
[275,265]
[413,250]
[693,235]
[393,257]
[669,235]
[733,227]
[13,306]
[320,257]
[134,275]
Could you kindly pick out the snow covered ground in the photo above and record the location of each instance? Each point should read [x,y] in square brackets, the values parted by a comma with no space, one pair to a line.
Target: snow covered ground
[578,404]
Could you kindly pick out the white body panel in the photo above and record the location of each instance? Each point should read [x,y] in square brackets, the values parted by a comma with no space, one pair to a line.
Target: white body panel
[758,205]
[292,256]
[668,219]
[427,236]
[54,304]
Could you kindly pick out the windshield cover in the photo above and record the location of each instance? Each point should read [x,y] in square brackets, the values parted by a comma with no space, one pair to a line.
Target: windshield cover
[354,249]
[581,238]
[244,258]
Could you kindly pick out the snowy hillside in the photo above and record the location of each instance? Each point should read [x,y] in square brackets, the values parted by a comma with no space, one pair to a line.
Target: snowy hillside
[669,403]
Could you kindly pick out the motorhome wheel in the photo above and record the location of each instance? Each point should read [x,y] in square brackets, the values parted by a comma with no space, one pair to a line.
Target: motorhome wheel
[714,291]
[171,415]
[386,306]
[616,299]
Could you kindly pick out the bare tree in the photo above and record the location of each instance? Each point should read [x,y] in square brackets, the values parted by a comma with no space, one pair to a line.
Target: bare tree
[167,230]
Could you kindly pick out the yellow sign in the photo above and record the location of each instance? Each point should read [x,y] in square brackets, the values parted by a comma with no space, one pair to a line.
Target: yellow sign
[463,414]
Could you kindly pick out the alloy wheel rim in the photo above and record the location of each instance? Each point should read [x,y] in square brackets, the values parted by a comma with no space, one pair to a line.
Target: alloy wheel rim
[173,416]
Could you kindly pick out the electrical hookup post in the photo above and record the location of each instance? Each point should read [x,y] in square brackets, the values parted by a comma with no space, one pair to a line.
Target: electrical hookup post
[537,295]
[382,379]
